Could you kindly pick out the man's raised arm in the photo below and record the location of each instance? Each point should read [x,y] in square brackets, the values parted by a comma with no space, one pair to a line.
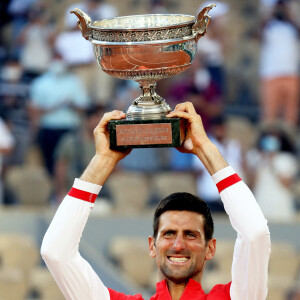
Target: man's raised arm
[253,246]
[60,247]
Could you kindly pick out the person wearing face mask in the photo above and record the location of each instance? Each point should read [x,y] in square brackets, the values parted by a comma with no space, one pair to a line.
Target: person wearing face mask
[56,101]
[13,101]
[272,170]
[279,66]
[182,240]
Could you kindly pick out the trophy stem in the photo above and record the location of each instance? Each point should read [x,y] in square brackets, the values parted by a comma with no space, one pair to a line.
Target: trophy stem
[149,105]
[149,96]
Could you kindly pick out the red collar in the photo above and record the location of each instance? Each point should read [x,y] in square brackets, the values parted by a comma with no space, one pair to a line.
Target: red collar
[193,290]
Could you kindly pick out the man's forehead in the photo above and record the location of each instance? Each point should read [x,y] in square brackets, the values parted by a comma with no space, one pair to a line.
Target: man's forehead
[182,218]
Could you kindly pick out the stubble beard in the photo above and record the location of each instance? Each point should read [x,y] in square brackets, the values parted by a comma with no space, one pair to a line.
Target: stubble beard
[179,276]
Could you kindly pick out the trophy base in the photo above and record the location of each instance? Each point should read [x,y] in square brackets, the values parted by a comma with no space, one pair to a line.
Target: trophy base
[151,133]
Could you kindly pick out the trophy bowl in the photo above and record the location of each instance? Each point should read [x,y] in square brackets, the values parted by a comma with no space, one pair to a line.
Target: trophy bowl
[145,48]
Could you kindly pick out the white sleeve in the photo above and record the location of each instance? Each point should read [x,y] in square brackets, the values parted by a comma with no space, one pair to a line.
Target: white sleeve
[253,246]
[60,247]
[6,141]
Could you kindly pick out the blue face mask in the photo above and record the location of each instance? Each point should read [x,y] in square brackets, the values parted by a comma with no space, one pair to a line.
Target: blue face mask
[270,143]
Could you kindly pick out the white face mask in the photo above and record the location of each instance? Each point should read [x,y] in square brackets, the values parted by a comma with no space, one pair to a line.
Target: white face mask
[10,73]
[58,67]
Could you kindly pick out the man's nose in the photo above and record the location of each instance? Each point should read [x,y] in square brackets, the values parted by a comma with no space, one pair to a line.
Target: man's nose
[179,243]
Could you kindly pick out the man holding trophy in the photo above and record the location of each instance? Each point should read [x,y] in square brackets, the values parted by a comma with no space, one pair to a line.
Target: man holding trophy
[182,239]
[180,245]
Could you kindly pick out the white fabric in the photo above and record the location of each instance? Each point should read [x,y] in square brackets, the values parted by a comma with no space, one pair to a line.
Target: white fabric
[275,200]
[86,186]
[211,51]
[275,197]
[6,139]
[74,49]
[70,44]
[77,280]
[6,142]
[252,247]
[37,53]
[279,50]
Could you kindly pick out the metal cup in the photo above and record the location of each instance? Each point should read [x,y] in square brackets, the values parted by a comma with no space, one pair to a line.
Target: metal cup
[145,48]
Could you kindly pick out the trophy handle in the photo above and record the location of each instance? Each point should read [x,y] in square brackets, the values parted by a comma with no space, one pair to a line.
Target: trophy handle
[83,23]
[203,20]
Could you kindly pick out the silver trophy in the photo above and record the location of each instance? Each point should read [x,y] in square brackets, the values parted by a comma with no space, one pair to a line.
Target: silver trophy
[145,48]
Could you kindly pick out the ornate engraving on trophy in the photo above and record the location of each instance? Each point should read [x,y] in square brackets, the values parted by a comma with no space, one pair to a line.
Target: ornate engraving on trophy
[144,134]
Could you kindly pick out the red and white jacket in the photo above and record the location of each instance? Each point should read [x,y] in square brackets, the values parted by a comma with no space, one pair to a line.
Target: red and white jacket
[77,279]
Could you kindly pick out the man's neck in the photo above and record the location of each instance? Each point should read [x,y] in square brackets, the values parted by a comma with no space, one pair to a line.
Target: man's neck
[176,290]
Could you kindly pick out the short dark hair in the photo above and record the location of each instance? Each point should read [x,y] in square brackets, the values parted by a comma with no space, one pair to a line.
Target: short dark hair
[188,202]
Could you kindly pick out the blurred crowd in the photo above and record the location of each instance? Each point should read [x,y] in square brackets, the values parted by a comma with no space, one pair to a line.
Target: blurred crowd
[52,95]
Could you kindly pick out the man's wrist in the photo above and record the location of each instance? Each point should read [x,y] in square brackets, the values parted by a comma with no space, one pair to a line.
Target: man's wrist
[99,169]
[211,158]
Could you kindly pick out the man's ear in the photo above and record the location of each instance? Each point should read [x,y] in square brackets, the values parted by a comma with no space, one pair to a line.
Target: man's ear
[152,250]
[210,249]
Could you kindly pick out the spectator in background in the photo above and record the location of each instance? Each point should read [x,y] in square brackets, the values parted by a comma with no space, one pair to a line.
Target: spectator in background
[6,145]
[196,85]
[36,41]
[75,150]
[13,108]
[232,152]
[279,66]
[212,47]
[126,92]
[78,52]
[18,12]
[57,98]
[273,168]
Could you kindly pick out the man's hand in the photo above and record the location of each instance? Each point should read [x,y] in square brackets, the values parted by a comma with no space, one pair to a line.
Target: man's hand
[196,136]
[196,140]
[105,159]
[101,137]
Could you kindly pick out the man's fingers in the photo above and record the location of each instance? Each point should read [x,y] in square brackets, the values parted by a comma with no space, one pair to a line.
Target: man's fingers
[186,106]
[185,115]
[113,115]
[178,113]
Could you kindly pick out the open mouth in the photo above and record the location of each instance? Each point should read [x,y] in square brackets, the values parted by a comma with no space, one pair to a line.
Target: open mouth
[176,259]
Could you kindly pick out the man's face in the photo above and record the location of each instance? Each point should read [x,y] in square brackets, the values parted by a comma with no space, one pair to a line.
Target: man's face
[180,248]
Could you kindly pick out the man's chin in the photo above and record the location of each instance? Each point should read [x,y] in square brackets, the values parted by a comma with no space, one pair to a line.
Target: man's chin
[177,277]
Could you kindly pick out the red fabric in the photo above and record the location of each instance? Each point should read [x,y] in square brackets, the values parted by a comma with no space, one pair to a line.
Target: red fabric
[227,182]
[82,195]
[114,295]
[193,290]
